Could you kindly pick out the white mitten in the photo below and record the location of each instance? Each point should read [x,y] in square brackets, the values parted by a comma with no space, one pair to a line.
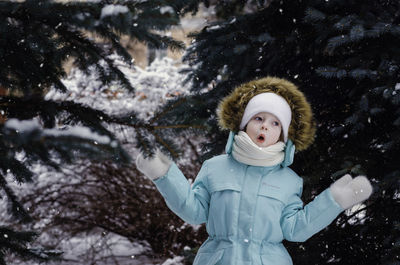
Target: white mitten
[348,191]
[154,167]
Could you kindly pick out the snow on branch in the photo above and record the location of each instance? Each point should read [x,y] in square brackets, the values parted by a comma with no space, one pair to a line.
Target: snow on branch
[156,84]
[113,10]
[28,126]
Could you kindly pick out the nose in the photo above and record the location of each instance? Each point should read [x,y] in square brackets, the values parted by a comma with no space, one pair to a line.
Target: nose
[264,126]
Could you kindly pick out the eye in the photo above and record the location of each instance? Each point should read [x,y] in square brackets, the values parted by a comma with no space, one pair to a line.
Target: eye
[275,123]
[257,118]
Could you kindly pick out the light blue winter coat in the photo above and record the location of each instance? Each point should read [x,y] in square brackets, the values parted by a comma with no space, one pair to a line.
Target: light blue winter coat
[248,210]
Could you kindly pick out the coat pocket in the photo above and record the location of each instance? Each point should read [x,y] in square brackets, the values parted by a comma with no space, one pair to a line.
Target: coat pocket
[273,192]
[221,185]
[275,260]
[209,258]
[223,208]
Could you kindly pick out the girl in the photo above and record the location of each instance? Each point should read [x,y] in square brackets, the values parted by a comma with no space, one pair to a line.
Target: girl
[249,198]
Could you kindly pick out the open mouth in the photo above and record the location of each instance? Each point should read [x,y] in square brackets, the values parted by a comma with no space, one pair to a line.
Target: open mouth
[261,138]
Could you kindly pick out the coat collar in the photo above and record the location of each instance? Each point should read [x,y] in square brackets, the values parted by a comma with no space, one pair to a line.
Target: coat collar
[289,149]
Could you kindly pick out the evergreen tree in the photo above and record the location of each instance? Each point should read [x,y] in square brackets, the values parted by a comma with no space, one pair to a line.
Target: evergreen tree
[67,205]
[38,36]
[344,56]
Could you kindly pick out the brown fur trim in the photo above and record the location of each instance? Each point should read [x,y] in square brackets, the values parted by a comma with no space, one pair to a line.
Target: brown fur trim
[302,127]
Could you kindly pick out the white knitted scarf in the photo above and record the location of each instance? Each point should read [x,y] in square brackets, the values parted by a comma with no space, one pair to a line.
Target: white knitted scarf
[246,151]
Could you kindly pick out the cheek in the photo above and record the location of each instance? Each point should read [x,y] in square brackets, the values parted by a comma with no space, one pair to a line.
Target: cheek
[251,129]
[276,133]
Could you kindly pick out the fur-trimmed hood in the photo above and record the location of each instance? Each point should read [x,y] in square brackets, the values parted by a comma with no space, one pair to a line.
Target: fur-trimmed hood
[302,127]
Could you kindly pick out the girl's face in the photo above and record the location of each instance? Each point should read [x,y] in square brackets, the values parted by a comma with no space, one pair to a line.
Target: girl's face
[264,129]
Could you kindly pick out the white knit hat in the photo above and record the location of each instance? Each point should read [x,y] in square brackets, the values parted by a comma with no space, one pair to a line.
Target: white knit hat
[272,103]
